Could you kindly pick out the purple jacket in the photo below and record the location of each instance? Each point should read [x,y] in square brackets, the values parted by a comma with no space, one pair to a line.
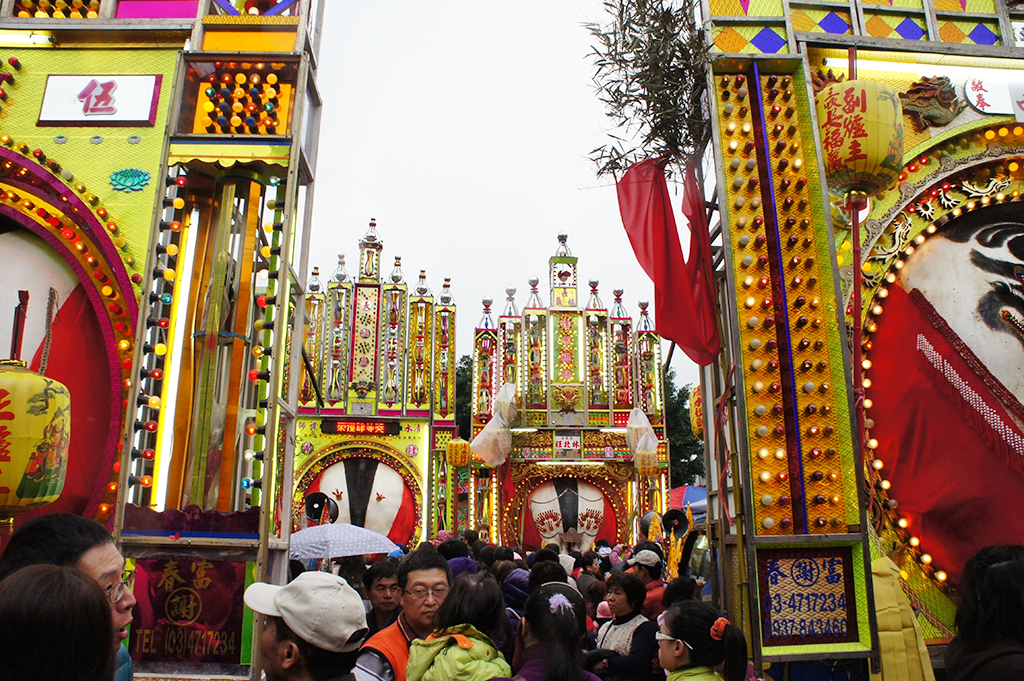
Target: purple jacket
[533,668]
[516,588]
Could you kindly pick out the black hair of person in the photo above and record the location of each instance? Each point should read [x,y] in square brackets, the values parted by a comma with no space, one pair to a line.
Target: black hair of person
[653,570]
[503,553]
[589,557]
[470,537]
[682,588]
[562,630]
[382,569]
[477,547]
[422,560]
[476,599]
[545,554]
[631,585]
[488,555]
[691,622]
[453,548]
[992,597]
[545,571]
[52,539]
[320,664]
[55,624]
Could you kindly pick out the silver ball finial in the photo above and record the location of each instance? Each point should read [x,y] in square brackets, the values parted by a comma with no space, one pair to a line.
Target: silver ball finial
[533,281]
[643,303]
[510,291]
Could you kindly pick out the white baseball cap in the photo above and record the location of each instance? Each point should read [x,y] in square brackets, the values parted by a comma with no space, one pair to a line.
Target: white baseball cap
[645,557]
[321,608]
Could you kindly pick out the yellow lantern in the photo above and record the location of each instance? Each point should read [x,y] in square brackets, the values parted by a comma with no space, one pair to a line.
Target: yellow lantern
[458,452]
[697,413]
[861,124]
[35,431]
[646,462]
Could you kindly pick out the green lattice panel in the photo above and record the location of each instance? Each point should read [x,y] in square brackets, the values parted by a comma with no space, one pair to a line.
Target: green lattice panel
[821,21]
[979,6]
[896,27]
[909,4]
[755,8]
[744,39]
[92,154]
[970,32]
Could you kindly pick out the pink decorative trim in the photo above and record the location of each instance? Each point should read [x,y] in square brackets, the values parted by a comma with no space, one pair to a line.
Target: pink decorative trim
[54,190]
[988,415]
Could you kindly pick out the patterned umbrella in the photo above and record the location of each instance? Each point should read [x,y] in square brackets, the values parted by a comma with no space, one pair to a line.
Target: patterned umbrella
[336,540]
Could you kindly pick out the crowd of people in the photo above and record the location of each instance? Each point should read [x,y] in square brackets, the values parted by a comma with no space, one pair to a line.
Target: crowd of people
[452,609]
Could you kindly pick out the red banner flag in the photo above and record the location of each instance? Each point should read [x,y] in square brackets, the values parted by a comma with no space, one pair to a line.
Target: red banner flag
[684,300]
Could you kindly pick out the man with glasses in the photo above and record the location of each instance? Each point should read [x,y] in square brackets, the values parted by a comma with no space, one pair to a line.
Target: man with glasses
[381,585]
[424,578]
[69,540]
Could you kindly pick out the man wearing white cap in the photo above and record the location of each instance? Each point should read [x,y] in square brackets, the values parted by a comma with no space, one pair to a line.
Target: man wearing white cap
[312,630]
[646,565]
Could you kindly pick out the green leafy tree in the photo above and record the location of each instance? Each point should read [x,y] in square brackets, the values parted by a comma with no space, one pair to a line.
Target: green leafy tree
[686,451]
[650,60]
[464,395]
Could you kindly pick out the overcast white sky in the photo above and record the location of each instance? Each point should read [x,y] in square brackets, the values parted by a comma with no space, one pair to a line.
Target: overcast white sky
[464,127]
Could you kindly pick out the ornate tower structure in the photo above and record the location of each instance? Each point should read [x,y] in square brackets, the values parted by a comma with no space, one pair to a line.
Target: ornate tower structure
[578,370]
[377,404]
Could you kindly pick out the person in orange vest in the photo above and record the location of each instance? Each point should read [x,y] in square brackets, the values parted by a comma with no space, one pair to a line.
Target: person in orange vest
[424,578]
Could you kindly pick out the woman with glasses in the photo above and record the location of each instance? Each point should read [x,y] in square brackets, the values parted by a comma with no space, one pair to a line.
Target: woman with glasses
[695,640]
[55,625]
[471,626]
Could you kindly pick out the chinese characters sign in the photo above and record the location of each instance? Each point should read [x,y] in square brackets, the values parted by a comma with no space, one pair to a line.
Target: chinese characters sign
[100,100]
[988,95]
[806,596]
[338,427]
[189,610]
[861,125]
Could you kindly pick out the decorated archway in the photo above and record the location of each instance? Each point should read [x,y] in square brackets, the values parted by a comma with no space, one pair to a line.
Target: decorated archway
[83,256]
[552,500]
[943,347]
[371,486]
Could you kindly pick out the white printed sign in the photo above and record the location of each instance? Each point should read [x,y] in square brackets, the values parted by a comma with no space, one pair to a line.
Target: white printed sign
[1018,33]
[100,100]
[988,96]
[567,440]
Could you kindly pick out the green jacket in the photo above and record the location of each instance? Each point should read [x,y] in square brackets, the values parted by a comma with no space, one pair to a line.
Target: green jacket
[459,654]
[694,674]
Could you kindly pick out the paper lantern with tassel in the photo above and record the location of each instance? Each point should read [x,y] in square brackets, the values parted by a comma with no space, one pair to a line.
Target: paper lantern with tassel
[35,431]
[861,125]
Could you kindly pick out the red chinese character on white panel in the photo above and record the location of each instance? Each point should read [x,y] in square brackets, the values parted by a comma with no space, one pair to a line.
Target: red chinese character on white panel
[98,98]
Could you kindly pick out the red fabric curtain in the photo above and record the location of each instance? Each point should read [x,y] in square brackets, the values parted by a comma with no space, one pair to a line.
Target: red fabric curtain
[684,301]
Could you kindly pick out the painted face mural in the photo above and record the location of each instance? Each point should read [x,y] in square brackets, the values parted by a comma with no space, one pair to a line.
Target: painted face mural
[565,505]
[370,494]
[947,384]
[973,275]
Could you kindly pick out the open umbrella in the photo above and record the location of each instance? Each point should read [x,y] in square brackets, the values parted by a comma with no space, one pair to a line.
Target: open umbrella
[335,540]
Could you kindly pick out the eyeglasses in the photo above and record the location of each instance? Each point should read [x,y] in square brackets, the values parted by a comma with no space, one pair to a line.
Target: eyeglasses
[115,592]
[420,593]
[658,636]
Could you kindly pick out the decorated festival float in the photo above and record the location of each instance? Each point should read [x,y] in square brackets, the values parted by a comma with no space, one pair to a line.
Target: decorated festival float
[156,187]
[556,384]
[867,159]
[377,399]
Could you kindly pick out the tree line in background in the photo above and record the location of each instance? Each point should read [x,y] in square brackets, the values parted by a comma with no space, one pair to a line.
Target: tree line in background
[686,451]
